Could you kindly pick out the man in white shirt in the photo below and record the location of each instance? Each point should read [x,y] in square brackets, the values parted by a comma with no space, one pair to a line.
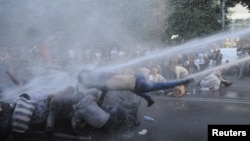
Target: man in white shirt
[155,76]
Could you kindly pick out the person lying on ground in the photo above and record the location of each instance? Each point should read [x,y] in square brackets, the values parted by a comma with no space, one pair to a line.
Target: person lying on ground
[21,114]
[41,100]
[31,107]
[61,106]
[135,83]
[106,117]
[81,109]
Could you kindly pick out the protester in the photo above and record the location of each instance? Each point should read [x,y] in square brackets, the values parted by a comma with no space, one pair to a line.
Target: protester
[136,83]
[213,81]
[180,71]
[156,77]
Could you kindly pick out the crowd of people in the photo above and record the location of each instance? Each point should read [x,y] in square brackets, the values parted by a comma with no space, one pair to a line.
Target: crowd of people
[168,75]
[26,64]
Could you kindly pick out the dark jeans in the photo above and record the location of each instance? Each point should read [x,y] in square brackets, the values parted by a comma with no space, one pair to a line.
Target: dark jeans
[143,86]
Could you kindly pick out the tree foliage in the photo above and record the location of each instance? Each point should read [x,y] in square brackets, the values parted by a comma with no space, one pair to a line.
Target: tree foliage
[193,18]
[196,18]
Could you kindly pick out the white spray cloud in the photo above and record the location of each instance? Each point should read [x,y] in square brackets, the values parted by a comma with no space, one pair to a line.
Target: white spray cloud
[63,24]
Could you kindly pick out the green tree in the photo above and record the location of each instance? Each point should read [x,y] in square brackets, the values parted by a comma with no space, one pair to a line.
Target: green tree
[193,18]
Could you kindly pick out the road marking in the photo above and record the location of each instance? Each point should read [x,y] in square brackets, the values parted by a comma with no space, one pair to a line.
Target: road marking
[236,101]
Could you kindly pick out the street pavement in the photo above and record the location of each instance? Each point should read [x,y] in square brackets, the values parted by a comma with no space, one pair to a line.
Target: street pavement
[187,118]
[184,118]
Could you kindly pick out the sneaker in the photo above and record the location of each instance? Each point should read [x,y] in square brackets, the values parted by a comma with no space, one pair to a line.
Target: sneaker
[150,102]
[228,84]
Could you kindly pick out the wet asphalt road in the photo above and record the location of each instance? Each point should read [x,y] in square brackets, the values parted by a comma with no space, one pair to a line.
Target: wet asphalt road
[182,119]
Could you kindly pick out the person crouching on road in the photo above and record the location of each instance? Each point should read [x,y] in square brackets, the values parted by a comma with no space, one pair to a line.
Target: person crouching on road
[180,73]
[213,81]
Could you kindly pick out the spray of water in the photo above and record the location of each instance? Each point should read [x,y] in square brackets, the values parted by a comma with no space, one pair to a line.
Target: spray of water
[43,85]
[61,25]
[198,75]
[86,24]
[56,81]
[188,47]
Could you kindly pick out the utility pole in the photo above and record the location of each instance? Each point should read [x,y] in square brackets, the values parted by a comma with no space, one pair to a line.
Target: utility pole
[223,14]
